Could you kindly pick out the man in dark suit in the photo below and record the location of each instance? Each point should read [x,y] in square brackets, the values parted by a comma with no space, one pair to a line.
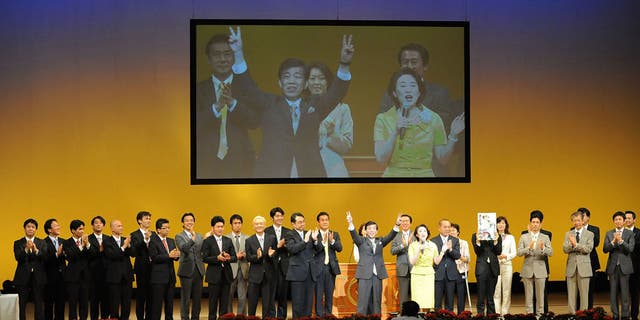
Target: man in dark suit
[325,265]
[399,247]
[300,244]
[371,270]
[163,252]
[218,253]
[538,214]
[98,293]
[593,256]
[223,148]
[54,265]
[190,268]
[142,265]
[279,285]
[78,251]
[487,270]
[261,250]
[290,122]
[119,273]
[634,278]
[619,243]
[30,277]
[446,270]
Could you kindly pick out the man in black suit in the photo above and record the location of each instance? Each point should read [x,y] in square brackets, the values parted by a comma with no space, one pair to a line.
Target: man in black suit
[538,214]
[163,252]
[290,122]
[142,265]
[300,244]
[445,267]
[261,250]
[218,253]
[279,285]
[634,279]
[593,256]
[487,270]
[98,293]
[119,273]
[325,265]
[54,265]
[30,277]
[77,278]
[223,148]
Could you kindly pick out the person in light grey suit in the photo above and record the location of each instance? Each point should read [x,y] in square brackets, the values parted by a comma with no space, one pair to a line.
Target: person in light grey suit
[399,247]
[371,270]
[240,268]
[578,244]
[619,243]
[534,246]
[190,268]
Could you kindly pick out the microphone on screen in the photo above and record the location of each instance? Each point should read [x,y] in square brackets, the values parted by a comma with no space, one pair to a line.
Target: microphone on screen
[405,113]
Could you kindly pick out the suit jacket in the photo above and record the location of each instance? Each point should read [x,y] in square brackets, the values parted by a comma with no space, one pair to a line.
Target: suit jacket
[320,255]
[281,257]
[242,264]
[162,269]
[534,259]
[593,256]
[578,256]
[217,271]
[548,234]
[369,257]
[300,257]
[239,160]
[78,261]
[140,250]
[260,268]
[97,263]
[279,144]
[190,255]
[487,250]
[118,262]
[447,268]
[403,267]
[635,254]
[54,266]
[29,262]
[619,253]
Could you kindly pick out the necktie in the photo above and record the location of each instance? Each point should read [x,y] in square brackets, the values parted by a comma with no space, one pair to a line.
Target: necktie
[278,234]
[577,236]
[237,243]
[118,242]
[55,243]
[164,243]
[261,240]
[223,146]
[373,244]
[326,248]
[79,243]
[295,117]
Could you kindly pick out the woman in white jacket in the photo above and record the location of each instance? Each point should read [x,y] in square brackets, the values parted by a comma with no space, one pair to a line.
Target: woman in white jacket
[502,295]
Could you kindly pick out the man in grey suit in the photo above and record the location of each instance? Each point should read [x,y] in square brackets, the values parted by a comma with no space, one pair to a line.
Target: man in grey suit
[634,279]
[371,270]
[240,268]
[534,246]
[619,243]
[578,244]
[399,247]
[190,268]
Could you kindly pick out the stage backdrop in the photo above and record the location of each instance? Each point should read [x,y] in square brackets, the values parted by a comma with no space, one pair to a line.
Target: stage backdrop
[94,113]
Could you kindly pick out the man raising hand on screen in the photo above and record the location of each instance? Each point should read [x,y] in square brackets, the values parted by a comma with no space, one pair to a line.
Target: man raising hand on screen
[290,121]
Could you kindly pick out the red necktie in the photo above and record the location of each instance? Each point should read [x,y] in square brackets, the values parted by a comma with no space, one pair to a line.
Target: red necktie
[164,242]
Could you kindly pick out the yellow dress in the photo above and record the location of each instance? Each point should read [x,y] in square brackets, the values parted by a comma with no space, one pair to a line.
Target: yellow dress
[412,155]
[423,276]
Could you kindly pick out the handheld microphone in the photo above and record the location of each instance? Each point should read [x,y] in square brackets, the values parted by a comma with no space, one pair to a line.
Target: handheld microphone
[405,113]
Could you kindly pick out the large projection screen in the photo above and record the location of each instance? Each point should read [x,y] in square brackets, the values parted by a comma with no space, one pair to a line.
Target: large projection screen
[257,127]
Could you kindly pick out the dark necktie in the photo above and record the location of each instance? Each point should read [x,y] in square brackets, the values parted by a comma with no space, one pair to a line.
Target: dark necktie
[577,236]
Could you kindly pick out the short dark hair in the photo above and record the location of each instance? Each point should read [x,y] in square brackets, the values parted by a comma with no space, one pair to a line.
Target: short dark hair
[295,215]
[455,225]
[293,63]
[410,309]
[370,223]
[186,215]
[47,225]
[618,213]
[585,211]
[30,220]
[633,214]
[391,88]
[328,75]
[216,38]
[75,224]
[216,219]
[320,214]
[408,216]
[98,218]
[160,222]
[235,216]
[506,223]
[142,214]
[275,210]
[424,53]
[536,214]
[415,231]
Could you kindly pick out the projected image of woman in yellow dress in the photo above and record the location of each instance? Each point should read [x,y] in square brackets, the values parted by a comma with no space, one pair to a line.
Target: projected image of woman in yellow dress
[407,136]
